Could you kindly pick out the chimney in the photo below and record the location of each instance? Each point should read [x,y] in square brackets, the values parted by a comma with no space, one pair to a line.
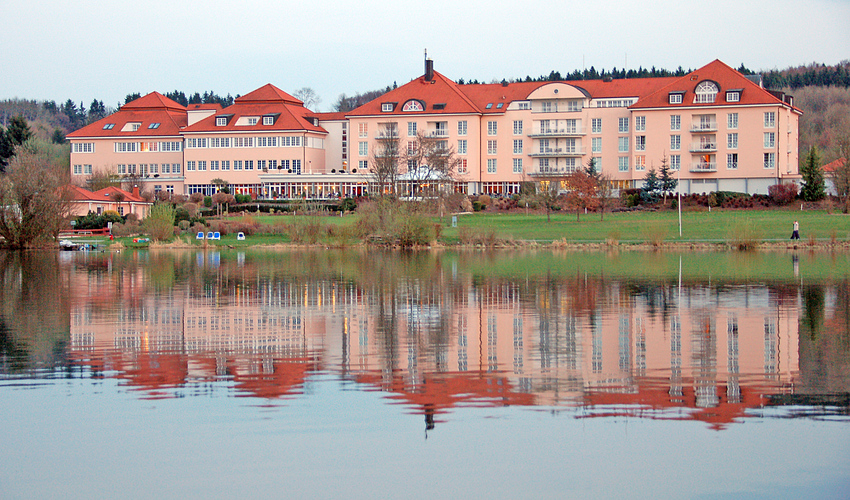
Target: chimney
[136,191]
[429,68]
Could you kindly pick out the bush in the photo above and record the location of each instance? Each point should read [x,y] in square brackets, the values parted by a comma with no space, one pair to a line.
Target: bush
[484,200]
[94,221]
[196,198]
[744,235]
[783,194]
[208,201]
[159,224]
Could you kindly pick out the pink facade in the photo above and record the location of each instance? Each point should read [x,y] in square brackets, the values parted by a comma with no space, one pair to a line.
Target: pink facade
[717,129]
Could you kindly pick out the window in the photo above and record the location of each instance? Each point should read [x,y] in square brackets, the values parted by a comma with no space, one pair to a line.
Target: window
[363,148]
[252,120]
[412,105]
[596,125]
[202,165]
[675,98]
[214,165]
[125,147]
[675,162]
[640,123]
[78,170]
[220,121]
[153,126]
[640,162]
[249,164]
[623,125]
[517,146]
[732,141]
[491,166]
[524,105]
[769,119]
[574,105]
[675,122]
[411,129]
[268,120]
[732,161]
[411,147]
[296,167]
[623,145]
[732,120]
[546,107]
[491,147]
[190,166]
[363,129]
[499,106]
[705,92]
[225,164]
[237,164]
[175,168]
[675,142]
[87,169]
[517,127]
[769,140]
[492,128]
[570,165]
[461,166]
[108,126]
[769,160]
[596,144]
[517,165]
[461,127]
[387,107]
[640,143]
[363,165]
[623,163]
[83,147]
[733,96]
[461,146]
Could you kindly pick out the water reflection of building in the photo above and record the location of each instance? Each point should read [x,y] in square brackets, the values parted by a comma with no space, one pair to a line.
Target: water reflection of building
[701,352]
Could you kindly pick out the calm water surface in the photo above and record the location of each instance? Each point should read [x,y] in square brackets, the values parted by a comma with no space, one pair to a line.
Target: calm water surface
[351,374]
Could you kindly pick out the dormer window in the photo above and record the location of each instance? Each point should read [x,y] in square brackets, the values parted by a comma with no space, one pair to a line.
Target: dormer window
[131,127]
[268,120]
[387,107]
[220,121]
[733,95]
[413,105]
[675,98]
[441,105]
[252,120]
[706,92]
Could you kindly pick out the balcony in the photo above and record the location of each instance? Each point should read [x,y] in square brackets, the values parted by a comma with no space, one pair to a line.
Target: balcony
[552,171]
[557,152]
[387,135]
[703,167]
[438,133]
[704,127]
[703,147]
[558,132]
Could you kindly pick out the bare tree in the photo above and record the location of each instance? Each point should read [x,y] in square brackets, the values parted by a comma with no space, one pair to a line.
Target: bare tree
[386,158]
[308,96]
[840,178]
[100,179]
[431,164]
[33,200]
[582,192]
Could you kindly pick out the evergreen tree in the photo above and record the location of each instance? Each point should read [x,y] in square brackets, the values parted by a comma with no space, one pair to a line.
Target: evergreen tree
[15,135]
[666,182]
[651,185]
[814,187]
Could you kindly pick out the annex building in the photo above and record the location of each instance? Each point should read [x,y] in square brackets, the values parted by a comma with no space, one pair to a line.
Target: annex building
[716,128]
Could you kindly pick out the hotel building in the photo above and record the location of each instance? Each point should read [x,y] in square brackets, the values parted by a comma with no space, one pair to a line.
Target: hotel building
[715,128]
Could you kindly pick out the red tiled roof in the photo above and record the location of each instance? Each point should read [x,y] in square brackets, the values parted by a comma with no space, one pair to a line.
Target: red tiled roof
[831,166]
[290,113]
[268,93]
[76,193]
[150,109]
[724,76]
[440,90]
[330,116]
[111,191]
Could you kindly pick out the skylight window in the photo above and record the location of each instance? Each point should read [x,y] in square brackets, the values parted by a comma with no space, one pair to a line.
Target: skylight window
[108,126]
[153,126]
[499,106]
[489,105]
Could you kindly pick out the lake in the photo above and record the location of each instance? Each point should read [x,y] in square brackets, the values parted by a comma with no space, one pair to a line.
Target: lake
[440,374]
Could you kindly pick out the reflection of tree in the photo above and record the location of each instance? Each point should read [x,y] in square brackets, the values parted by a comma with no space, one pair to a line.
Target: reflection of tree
[813,310]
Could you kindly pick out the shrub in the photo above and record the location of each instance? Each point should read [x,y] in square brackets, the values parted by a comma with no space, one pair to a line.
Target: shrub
[744,235]
[208,201]
[196,198]
[159,224]
[782,194]
[485,200]
[655,233]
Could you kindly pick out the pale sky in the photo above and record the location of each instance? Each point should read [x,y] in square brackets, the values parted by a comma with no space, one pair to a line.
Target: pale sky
[85,50]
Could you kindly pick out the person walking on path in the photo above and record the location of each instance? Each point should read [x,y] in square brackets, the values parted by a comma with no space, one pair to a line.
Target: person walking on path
[796,234]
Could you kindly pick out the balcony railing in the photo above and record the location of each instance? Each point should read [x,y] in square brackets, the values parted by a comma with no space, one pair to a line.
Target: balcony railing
[558,132]
[703,147]
[383,136]
[438,133]
[703,167]
[704,127]
[557,152]
[552,171]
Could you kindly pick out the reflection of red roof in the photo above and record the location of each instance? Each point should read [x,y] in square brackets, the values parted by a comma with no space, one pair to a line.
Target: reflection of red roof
[439,392]
[653,394]
[287,378]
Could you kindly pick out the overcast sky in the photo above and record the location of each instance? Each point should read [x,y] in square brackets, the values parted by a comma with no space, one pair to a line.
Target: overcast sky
[85,50]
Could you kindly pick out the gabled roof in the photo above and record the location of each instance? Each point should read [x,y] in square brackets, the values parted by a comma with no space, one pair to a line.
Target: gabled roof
[76,193]
[147,111]
[289,114]
[716,71]
[834,164]
[268,93]
[111,191]
[439,91]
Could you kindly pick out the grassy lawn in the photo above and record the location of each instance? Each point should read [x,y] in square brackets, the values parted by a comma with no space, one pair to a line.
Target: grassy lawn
[624,227]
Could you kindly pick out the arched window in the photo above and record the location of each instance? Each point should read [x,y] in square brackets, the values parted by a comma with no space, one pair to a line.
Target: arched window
[706,91]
